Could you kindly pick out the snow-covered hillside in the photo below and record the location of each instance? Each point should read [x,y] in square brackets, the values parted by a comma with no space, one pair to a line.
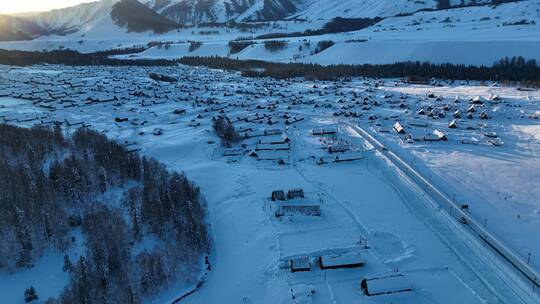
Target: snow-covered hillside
[195,11]
[75,18]
[409,31]
[15,28]
[477,35]
[322,9]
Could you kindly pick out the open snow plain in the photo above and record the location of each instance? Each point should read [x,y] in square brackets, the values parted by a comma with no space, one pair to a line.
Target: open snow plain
[477,143]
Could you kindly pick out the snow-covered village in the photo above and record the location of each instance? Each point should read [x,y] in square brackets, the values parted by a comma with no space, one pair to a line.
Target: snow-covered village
[357,165]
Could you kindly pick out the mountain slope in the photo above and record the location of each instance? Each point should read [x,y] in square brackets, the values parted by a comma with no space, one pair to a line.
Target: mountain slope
[74,18]
[96,19]
[202,11]
[361,8]
[137,17]
[14,28]
[161,16]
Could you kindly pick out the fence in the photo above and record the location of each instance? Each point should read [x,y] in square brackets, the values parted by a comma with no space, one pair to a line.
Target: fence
[455,210]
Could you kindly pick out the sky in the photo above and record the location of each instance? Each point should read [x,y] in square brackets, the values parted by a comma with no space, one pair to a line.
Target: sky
[21,6]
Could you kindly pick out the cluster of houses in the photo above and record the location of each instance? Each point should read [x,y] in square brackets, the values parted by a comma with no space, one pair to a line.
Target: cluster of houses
[264,116]
[295,203]
[435,118]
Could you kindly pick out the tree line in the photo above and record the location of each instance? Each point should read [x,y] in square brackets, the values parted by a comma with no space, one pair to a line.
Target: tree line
[446,4]
[74,58]
[52,185]
[507,69]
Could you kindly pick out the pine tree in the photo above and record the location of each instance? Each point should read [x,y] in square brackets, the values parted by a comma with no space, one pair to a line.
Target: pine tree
[84,285]
[132,297]
[23,236]
[30,295]
[68,266]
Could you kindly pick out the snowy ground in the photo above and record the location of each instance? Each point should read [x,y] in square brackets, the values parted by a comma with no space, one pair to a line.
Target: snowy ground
[368,207]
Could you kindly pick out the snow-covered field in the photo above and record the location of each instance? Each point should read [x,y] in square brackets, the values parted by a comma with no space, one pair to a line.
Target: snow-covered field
[369,209]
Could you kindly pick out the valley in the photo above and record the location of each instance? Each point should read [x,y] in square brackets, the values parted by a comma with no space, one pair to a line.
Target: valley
[315,136]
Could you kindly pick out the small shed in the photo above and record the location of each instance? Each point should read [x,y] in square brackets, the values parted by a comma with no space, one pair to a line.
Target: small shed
[278,195]
[292,210]
[440,135]
[121,119]
[484,115]
[496,142]
[300,264]
[337,148]
[274,140]
[194,123]
[323,131]
[476,100]
[399,128]
[275,155]
[295,193]
[336,261]
[233,152]
[348,157]
[385,284]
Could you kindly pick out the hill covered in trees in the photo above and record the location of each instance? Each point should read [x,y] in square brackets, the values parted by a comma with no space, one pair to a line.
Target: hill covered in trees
[144,227]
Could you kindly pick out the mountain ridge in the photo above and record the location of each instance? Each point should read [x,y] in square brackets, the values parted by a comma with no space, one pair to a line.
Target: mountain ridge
[193,12]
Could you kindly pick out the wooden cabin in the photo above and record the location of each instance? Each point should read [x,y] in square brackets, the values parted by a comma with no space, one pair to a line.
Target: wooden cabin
[274,140]
[278,195]
[292,210]
[346,157]
[476,100]
[484,115]
[295,193]
[322,131]
[337,148]
[440,135]
[272,155]
[399,128]
[233,152]
[300,264]
[385,284]
[337,261]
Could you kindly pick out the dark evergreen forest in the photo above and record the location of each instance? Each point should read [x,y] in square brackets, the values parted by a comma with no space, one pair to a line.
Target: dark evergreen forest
[52,185]
[507,69]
